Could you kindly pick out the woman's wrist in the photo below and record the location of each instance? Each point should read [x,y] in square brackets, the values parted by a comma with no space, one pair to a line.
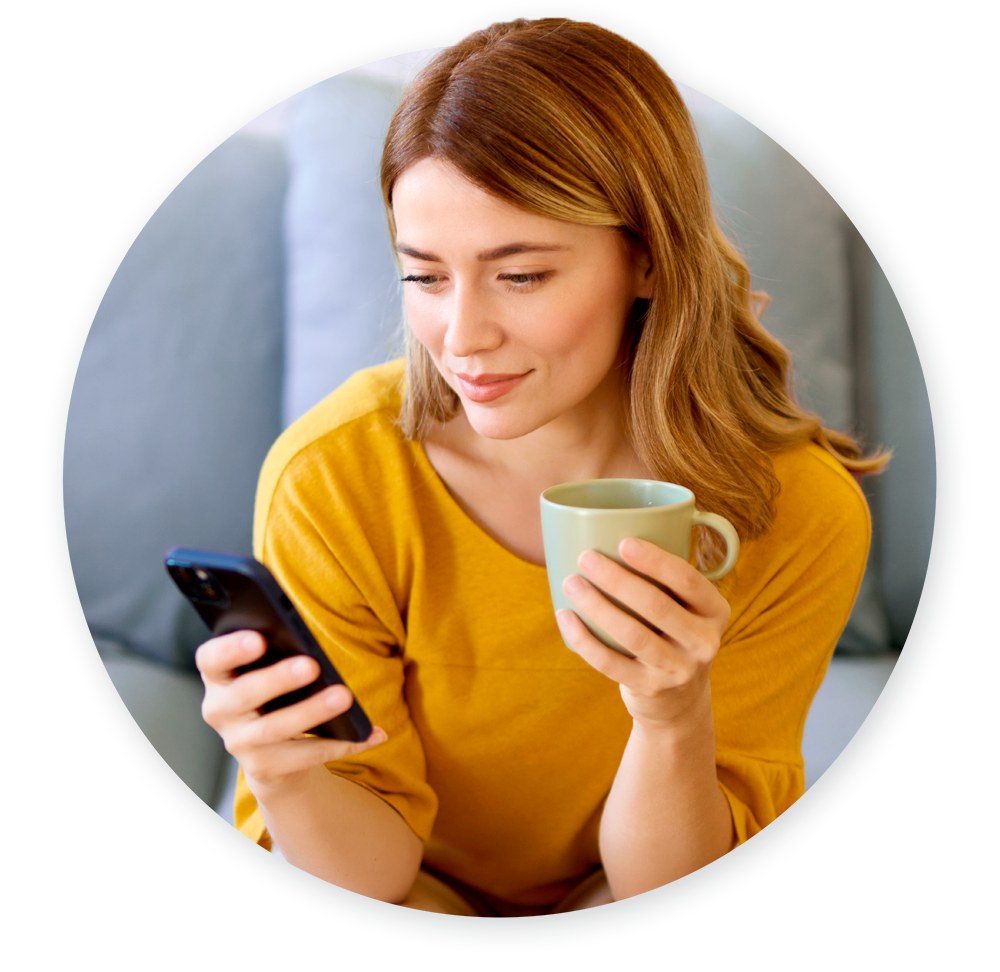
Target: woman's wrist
[680,716]
[289,787]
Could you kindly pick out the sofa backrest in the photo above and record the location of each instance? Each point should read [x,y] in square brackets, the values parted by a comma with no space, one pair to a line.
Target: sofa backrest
[241,305]
[177,398]
[344,297]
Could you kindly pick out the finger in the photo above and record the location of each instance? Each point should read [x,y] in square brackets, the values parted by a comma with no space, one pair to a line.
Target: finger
[296,755]
[676,621]
[240,698]
[293,721]
[253,689]
[682,579]
[218,658]
[647,645]
[593,651]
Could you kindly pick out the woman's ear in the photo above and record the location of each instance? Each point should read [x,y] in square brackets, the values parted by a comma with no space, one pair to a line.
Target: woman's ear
[644,271]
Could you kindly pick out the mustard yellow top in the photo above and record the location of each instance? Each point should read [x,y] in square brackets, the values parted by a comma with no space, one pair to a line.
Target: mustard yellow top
[503,744]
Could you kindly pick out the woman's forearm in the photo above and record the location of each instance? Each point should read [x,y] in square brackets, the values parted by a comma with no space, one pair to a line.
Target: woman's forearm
[341,832]
[665,815]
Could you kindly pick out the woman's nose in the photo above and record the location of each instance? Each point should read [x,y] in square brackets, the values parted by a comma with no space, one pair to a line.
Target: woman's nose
[471,326]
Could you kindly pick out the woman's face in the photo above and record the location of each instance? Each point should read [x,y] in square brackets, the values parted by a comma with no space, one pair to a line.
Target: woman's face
[523,315]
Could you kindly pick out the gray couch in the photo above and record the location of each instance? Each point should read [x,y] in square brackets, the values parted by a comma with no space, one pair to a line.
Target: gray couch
[265,279]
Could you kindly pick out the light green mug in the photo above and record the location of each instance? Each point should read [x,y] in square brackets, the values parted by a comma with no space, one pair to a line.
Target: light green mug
[597,514]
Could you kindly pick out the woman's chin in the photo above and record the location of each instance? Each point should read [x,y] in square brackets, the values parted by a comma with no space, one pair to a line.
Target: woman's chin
[500,423]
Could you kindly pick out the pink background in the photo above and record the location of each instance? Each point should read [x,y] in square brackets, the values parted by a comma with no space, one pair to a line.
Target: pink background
[128,112]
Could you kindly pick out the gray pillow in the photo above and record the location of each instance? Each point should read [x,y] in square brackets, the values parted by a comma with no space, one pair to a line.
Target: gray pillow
[792,234]
[177,398]
[897,411]
[166,704]
[798,244]
[854,359]
[343,284]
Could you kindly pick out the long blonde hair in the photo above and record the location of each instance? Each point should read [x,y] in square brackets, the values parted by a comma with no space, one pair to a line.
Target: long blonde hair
[570,121]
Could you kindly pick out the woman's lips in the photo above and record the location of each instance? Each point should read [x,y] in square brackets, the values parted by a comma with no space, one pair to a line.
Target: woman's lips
[487,388]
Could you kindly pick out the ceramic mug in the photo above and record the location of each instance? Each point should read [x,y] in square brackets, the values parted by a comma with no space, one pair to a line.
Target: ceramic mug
[597,514]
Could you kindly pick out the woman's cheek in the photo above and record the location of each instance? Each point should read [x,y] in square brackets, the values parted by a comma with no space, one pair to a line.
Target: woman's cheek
[582,341]
[423,328]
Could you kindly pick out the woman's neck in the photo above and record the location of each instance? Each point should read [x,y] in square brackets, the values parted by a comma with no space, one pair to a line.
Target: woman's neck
[497,481]
[587,442]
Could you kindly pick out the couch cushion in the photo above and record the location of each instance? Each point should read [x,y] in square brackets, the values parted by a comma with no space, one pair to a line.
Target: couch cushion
[177,397]
[792,234]
[344,300]
[166,705]
[899,415]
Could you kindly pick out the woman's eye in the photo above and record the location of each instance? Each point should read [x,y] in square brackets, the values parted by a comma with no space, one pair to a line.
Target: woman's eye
[524,280]
[516,281]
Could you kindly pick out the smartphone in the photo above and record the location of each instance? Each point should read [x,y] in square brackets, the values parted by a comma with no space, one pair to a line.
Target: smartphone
[233,593]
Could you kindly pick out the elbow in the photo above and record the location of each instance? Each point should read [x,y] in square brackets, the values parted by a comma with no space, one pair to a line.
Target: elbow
[630,873]
[395,883]
[387,876]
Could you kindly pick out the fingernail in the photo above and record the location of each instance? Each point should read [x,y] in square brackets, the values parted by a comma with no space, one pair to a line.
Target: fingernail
[562,619]
[301,667]
[629,547]
[249,642]
[589,560]
[334,697]
[574,585]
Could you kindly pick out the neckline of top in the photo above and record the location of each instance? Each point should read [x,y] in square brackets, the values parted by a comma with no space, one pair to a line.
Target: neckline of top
[434,477]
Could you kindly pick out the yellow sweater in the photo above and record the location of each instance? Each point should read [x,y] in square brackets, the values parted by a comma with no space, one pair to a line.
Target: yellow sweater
[503,744]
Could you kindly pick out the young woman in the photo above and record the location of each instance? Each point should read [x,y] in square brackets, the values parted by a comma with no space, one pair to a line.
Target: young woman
[573,313]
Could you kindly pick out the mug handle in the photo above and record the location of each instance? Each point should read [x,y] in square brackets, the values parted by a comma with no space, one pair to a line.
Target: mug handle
[721,525]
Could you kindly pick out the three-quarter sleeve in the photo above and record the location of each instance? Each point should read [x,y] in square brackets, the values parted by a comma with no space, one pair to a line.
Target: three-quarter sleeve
[792,595]
[308,533]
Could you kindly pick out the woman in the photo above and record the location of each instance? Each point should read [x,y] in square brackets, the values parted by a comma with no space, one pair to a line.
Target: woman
[573,313]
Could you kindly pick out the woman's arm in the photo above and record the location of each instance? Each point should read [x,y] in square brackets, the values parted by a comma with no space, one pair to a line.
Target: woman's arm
[340,832]
[665,815]
[323,824]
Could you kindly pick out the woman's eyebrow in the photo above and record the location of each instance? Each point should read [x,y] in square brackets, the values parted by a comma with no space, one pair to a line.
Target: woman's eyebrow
[514,248]
[412,251]
[511,249]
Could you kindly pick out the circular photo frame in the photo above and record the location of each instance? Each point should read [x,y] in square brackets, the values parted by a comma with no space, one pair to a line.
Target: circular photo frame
[203,162]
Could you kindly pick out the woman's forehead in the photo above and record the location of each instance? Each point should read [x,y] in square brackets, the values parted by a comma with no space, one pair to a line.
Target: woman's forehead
[435,205]
[432,183]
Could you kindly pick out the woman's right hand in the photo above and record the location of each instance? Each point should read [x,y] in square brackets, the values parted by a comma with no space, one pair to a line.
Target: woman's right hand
[271,747]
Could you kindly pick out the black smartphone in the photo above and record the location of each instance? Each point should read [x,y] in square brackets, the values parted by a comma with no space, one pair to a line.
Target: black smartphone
[233,593]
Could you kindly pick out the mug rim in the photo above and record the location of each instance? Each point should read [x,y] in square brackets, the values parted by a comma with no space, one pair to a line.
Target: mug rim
[597,510]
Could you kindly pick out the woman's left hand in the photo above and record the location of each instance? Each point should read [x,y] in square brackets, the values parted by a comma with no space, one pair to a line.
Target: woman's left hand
[668,677]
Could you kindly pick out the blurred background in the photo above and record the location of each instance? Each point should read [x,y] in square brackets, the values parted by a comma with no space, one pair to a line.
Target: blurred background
[266,278]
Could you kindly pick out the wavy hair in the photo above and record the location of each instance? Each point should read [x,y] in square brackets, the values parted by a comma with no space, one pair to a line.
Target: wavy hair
[571,121]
